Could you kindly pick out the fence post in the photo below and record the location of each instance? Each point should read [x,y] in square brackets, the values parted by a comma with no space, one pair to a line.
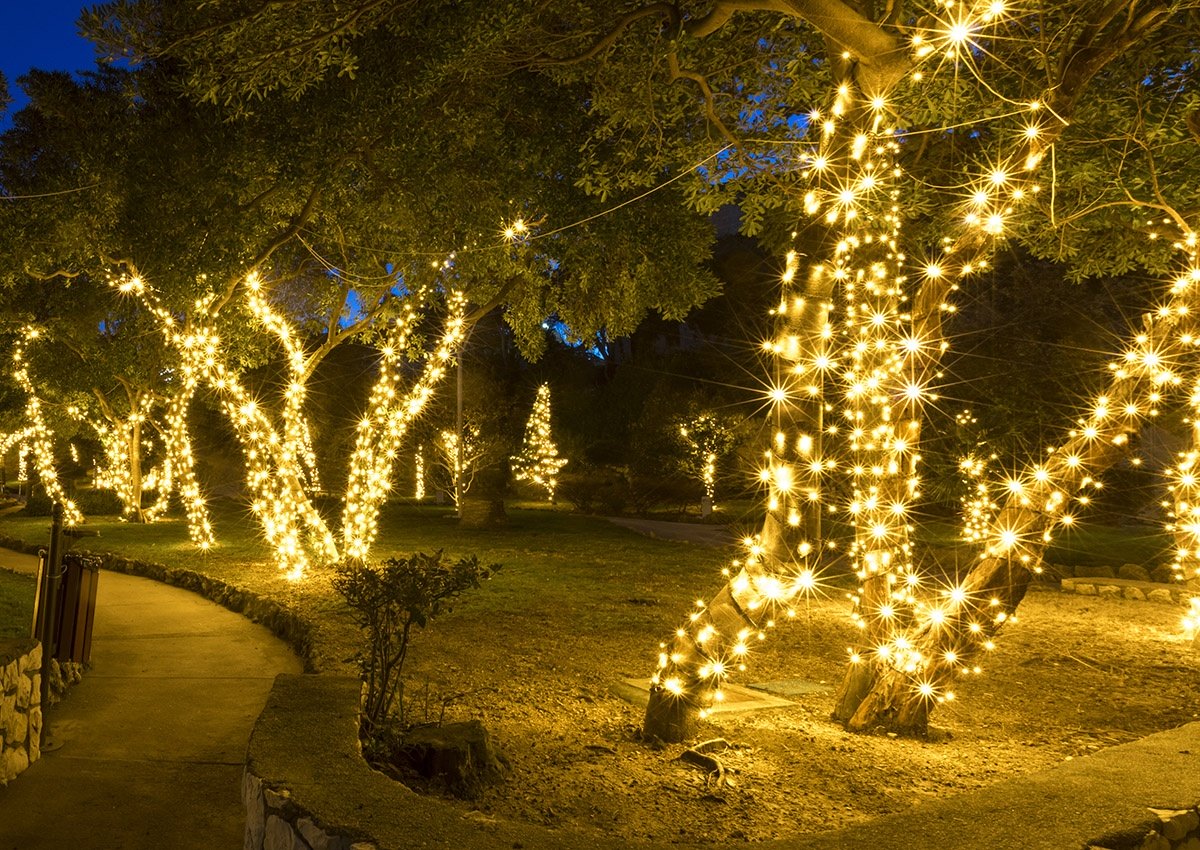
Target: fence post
[51,576]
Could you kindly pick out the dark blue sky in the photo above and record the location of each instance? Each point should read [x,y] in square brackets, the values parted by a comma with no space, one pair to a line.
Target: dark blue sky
[41,34]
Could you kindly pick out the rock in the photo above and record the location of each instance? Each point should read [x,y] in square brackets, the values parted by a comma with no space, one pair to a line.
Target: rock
[281,836]
[1177,824]
[14,763]
[8,677]
[276,799]
[1134,593]
[318,839]
[1133,572]
[1154,841]
[1192,843]
[460,755]
[32,660]
[35,725]
[1086,589]
[18,728]
[1091,571]
[1108,590]
[1161,595]
[1162,573]
[253,803]
[24,692]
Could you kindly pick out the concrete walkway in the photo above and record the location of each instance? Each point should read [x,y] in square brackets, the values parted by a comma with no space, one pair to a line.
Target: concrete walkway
[153,739]
[684,532]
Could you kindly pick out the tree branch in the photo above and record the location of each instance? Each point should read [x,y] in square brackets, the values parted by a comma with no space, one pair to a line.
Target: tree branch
[710,109]
[667,11]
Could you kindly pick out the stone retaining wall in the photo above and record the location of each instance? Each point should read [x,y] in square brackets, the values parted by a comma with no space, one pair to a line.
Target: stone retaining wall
[20,706]
[21,702]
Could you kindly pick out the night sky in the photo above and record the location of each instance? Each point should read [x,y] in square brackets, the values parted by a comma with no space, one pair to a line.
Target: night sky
[40,33]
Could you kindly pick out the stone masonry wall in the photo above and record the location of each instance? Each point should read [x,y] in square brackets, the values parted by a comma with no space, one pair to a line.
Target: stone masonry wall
[274,822]
[21,702]
[20,706]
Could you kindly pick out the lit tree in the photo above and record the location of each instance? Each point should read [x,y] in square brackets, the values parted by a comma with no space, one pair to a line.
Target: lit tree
[457,459]
[37,435]
[914,137]
[538,460]
[707,437]
[334,211]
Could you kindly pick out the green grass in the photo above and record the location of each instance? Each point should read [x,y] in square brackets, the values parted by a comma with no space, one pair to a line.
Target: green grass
[16,604]
[1085,544]
[562,573]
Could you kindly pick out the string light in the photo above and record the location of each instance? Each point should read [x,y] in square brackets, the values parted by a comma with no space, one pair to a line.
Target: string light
[884,349]
[538,460]
[37,436]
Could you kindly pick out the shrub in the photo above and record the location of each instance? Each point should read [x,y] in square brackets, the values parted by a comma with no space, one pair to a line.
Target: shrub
[595,490]
[38,503]
[98,503]
[386,601]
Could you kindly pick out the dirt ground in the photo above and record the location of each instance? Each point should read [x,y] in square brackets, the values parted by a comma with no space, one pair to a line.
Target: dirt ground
[1073,675]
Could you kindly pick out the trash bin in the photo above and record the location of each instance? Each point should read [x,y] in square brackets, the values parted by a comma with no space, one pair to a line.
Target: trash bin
[76,608]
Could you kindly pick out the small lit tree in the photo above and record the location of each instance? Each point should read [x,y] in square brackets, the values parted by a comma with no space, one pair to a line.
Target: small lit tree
[458,465]
[539,461]
[706,438]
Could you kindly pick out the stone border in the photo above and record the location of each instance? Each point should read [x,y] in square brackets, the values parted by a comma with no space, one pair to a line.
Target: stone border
[1170,829]
[284,623]
[1151,591]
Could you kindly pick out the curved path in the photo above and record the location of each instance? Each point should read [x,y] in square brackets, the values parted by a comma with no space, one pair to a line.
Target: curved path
[152,741]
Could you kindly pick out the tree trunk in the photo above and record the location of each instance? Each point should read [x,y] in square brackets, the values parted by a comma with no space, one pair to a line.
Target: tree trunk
[134,452]
[483,505]
[694,663]
[901,698]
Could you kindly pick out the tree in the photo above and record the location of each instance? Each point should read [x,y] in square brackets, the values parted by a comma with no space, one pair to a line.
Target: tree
[428,211]
[707,437]
[539,461]
[920,96]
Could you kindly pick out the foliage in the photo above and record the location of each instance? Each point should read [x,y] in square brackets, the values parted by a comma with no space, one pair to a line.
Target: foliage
[16,604]
[387,601]
[707,437]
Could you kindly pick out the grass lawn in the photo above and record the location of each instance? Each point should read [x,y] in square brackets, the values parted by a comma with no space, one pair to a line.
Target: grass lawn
[551,559]
[16,604]
[581,604]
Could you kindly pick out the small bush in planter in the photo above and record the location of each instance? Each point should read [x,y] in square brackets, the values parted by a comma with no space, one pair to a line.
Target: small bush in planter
[387,601]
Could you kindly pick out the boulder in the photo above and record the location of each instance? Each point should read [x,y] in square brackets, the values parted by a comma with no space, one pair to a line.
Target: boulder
[1133,572]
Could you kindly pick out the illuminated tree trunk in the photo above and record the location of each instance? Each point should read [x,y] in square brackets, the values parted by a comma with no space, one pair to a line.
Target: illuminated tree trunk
[121,436]
[776,568]
[950,634]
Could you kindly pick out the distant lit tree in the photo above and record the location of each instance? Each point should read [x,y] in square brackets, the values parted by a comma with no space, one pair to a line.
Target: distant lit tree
[538,460]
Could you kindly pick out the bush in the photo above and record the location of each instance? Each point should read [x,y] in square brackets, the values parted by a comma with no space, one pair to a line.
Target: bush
[595,490]
[38,503]
[387,601]
[98,503]
[650,492]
